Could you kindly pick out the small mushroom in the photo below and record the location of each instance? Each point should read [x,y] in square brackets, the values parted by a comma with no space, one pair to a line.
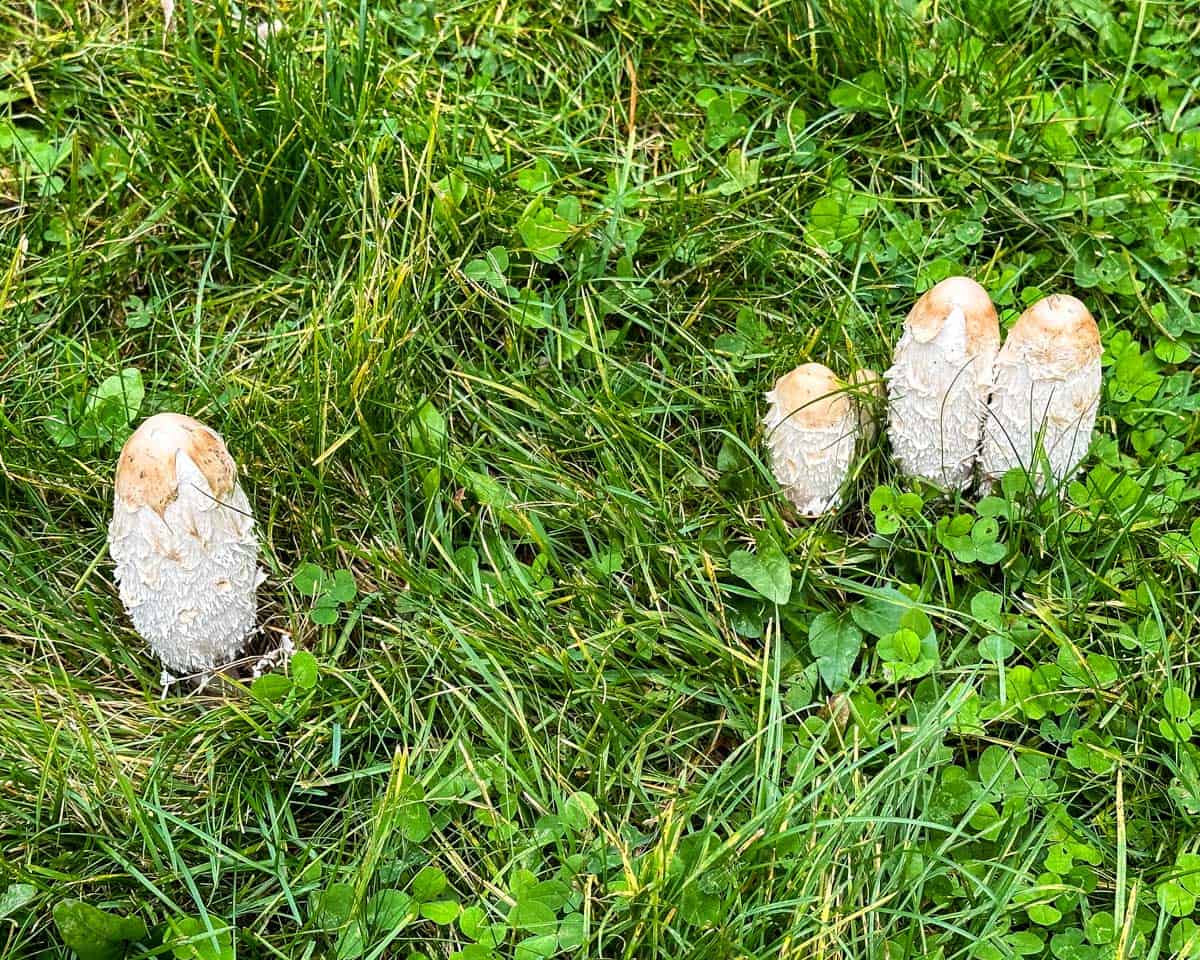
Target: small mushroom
[940,380]
[812,428]
[1047,389]
[182,538]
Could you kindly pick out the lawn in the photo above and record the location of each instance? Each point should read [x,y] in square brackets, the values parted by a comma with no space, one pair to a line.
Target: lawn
[484,296]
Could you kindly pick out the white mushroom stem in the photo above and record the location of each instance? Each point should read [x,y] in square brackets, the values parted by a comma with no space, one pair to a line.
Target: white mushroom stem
[940,380]
[182,538]
[1047,390]
[812,427]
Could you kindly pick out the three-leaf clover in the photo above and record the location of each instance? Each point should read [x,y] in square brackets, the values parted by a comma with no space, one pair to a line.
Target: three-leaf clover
[329,592]
[890,508]
[970,539]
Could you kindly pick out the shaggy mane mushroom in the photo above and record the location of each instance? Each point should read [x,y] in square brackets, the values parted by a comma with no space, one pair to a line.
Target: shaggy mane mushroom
[940,380]
[1047,390]
[813,426]
[182,538]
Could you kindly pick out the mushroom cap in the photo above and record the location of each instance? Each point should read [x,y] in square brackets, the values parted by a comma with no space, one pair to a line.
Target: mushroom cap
[930,312]
[146,470]
[811,396]
[1056,333]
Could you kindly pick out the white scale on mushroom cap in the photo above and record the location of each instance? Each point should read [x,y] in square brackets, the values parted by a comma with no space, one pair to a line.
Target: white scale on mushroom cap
[1047,390]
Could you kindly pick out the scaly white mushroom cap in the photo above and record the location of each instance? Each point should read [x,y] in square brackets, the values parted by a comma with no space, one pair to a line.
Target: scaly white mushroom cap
[182,538]
[812,426]
[940,380]
[1047,388]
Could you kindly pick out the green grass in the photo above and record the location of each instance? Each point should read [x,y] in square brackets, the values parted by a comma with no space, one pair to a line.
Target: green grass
[484,297]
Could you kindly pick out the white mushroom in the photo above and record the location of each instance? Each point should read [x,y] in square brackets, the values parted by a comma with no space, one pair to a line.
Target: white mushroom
[1047,389]
[182,537]
[812,427]
[940,380]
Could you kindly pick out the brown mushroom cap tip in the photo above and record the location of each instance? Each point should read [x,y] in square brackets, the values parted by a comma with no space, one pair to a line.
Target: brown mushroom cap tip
[928,314]
[811,396]
[1058,329]
[146,468]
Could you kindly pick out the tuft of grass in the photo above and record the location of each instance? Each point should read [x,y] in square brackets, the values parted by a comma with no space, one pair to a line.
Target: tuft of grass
[484,296]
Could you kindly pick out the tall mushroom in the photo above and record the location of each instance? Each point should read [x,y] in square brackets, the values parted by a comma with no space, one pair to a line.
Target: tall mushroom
[939,382]
[182,538]
[1047,389]
[812,428]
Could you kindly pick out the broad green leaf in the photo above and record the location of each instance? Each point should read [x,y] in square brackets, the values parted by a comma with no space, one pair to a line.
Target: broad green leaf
[867,93]
[60,431]
[1044,914]
[537,179]
[767,571]
[428,883]
[1188,867]
[389,910]
[740,174]
[543,231]
[903,646]
[577,810]
[190,939]
[342,589]
[536,948]
[880,616]
[534,916]
[413,818]
[441,912]
[308,579]
[571,932]
[325,611]
[95,934]
[15,896]
[986,607]
[427,429]
[115,403]
[271,687]
[473,922]
[473,951]
[1177,703]
[834,643]
[304,670]
[1175,899]
[331,907]
[996,647]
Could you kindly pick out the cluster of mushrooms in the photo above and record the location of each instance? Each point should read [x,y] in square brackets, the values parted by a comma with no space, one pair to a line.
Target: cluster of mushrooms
[186,553]
[958,403]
